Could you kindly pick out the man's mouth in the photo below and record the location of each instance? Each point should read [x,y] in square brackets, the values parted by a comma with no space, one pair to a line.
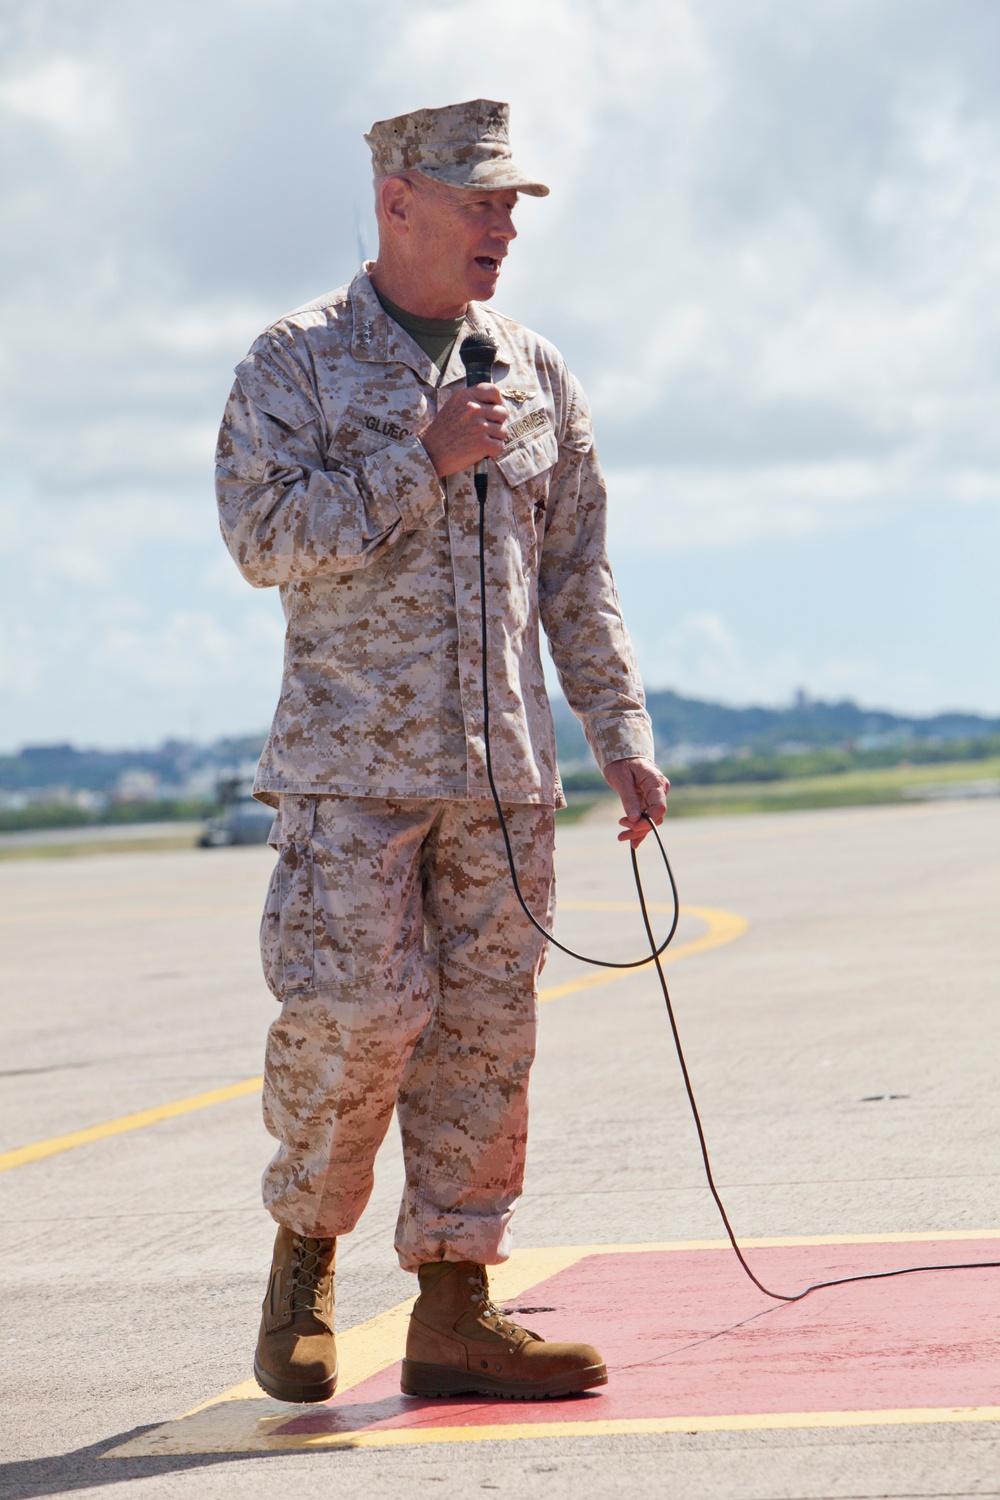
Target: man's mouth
[488,263]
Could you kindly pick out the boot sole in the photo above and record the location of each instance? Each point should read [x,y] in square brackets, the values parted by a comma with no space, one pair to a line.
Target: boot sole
[441,1380]
[288,1390]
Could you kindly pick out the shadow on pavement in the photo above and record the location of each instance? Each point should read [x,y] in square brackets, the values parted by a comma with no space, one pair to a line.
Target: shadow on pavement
[85,1469]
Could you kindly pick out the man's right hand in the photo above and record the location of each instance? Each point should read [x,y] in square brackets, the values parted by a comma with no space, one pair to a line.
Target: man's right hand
[470,426]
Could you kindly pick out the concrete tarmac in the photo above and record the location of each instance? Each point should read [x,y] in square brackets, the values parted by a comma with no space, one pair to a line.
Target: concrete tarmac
[844,1052]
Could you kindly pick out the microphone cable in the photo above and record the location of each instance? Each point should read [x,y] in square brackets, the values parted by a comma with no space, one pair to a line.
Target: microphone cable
[655,955]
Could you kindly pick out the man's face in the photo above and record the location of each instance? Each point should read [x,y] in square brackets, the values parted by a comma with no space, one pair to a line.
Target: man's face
[460,238]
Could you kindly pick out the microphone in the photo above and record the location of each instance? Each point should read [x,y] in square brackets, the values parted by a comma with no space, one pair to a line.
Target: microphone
[477,354]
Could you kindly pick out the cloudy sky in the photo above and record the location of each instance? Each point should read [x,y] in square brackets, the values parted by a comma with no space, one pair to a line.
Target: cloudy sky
[772,253]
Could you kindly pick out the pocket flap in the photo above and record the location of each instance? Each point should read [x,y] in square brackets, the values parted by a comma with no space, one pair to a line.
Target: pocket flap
[295,820]
[531,456]
[362,433]
[274,391]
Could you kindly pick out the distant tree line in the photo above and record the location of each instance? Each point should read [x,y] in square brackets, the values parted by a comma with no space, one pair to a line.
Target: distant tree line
[692,722]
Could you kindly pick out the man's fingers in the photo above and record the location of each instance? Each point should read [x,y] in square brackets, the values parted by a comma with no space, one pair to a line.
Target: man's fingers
[471,424]
[634,836]
[492,416]
[643,798]
[494,423]
[656,807]
[654,796]
[643,791]
[479,397]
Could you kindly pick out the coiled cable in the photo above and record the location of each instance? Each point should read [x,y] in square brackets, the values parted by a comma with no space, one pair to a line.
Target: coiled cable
[656,952]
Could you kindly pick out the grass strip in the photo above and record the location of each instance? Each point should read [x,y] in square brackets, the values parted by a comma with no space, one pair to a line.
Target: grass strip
[100,846]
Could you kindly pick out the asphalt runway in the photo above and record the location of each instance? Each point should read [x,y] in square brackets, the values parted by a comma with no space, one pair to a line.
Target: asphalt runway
[836,987]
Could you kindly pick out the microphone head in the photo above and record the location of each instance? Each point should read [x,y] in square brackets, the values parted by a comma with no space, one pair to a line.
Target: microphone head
[477,353]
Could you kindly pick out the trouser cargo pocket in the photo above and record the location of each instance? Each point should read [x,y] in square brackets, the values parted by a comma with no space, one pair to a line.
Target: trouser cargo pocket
[287,942]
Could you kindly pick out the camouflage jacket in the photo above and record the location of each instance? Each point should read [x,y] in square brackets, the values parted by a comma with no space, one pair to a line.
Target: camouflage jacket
[325,489]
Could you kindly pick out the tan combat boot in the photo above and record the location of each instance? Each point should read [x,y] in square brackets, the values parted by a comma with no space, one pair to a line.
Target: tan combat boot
[296,1357]
[458,1343]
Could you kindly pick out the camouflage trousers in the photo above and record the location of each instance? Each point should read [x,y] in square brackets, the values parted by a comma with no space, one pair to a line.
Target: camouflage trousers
[408,977]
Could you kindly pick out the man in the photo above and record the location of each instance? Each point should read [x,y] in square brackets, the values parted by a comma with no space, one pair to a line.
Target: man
[391,935]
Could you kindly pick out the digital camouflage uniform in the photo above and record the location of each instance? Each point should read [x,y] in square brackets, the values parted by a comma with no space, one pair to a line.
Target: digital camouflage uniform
[407,972]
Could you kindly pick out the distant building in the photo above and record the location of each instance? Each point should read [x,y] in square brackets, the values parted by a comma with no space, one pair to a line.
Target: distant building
[136,785]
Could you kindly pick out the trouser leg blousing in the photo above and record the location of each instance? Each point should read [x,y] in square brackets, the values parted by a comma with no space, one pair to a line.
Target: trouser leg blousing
[407,975]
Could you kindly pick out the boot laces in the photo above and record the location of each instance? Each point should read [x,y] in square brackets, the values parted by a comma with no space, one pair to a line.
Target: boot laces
[486,1308]
[309,1264]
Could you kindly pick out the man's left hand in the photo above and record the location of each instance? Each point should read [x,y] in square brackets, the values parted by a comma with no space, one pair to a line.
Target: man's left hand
[643,789]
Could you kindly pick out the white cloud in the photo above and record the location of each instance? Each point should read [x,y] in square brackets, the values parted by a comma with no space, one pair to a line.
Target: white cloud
[770,252]
[702,658]
[213,330]
[64,93]
[187,648]
[671,509]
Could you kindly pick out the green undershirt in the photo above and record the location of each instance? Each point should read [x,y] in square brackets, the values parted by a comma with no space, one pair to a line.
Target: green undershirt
[435,336]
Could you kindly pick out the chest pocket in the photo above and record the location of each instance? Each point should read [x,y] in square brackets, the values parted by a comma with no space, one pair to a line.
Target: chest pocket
[529,457]
[361,433]
[527,467]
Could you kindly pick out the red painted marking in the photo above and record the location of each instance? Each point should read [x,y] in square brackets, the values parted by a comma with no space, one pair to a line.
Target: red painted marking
[664,1321]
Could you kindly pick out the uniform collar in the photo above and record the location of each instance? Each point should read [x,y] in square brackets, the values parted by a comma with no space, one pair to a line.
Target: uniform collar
[378,339]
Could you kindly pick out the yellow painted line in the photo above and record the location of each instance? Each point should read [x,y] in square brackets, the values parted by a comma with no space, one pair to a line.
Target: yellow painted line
[41,1149]
[785,1242]
[243,1419]
[159,1443]
[722,927]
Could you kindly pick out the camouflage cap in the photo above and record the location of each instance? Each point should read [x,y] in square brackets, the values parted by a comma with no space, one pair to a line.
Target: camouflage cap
[463,145]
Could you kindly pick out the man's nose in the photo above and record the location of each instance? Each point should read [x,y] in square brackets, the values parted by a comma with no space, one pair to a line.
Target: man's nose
[504,229]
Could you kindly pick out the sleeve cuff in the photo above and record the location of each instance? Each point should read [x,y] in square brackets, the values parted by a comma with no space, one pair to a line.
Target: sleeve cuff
[626,735]
[403,487]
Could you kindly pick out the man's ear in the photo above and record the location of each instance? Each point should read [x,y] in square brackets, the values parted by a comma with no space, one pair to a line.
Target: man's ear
[396,204]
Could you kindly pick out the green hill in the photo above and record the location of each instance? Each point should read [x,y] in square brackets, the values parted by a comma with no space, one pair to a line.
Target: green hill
[697,728]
